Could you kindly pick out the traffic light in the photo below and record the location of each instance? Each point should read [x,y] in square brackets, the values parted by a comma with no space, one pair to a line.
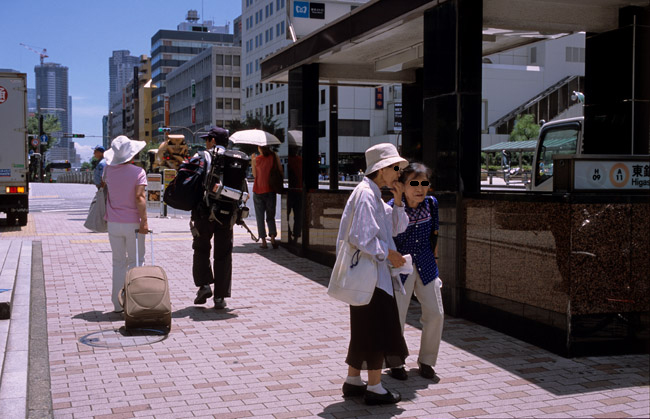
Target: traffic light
[164,129]
[78,135]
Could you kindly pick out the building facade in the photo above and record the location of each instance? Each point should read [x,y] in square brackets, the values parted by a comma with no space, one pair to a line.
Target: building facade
[205,91]
[366,115]
[138,102]
[120,71]
[170,49]
[52,93]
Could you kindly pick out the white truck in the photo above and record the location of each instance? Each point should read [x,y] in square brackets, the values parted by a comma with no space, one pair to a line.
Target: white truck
[14,165]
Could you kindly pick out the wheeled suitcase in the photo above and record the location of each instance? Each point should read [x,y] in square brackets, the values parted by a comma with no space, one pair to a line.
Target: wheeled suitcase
[145,296]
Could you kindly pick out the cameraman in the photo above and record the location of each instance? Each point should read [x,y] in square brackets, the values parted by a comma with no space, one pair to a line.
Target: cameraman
[204,228]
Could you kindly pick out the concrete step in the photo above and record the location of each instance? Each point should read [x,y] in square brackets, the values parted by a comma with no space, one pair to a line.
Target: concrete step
[14,330]
[9,252]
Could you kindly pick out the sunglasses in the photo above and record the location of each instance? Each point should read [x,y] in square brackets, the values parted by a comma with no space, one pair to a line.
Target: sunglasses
[396,168]
[416,183]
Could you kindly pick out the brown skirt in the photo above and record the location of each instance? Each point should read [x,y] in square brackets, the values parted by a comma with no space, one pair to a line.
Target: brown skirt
[376,338]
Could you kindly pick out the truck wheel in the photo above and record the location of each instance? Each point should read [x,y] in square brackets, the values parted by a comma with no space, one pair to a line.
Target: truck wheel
[21,219]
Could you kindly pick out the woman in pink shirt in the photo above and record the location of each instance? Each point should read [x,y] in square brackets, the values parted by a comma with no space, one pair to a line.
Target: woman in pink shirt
[126,208]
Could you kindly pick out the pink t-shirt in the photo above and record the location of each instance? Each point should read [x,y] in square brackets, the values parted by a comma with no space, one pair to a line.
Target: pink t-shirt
[121,181]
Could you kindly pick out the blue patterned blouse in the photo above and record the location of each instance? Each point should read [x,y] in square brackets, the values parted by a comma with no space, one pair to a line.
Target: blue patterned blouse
[415,240]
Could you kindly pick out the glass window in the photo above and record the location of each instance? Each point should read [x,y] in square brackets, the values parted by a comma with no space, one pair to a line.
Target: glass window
[219,81]
[219,103]
[562,139]
[219,58]
[236,104]
[236,83]
[228,103]
[228,82]
[228,59]
[235,60]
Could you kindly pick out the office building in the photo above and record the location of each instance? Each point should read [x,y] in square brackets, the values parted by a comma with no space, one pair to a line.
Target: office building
[172,48]
[366,115]
[120,71]
[52,93]
[205,91]
[138,102]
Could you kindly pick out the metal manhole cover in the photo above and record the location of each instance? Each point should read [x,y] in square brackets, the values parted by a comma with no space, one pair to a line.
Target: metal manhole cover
[120,338]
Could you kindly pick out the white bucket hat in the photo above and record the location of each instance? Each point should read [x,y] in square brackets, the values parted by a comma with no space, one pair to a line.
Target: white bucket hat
[123,150]
[383,155]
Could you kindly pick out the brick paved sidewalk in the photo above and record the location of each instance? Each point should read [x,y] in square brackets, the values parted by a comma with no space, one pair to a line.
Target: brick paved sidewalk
[278,350]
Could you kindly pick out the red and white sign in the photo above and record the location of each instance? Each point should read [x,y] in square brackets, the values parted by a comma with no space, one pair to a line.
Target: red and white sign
[3,94]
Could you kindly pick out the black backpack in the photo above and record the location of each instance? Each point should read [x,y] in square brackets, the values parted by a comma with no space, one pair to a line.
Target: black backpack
[186,190]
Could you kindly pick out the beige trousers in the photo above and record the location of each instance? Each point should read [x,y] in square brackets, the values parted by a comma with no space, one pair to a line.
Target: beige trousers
[432,314]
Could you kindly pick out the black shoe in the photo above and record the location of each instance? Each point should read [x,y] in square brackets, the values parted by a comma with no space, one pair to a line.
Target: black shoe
[390,397]
[219,303]
[203,294]
[398,373]
[350,390]
[426,371]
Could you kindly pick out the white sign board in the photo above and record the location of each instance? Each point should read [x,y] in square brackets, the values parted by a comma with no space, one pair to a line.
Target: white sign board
[154,187]
[616,175]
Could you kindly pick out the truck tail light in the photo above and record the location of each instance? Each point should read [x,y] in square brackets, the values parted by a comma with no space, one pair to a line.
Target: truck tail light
[15,189]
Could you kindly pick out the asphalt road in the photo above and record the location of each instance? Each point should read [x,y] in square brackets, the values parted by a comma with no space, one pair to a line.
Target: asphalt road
[76,198]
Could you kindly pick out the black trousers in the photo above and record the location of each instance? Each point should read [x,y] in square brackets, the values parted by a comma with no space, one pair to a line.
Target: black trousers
[220,273]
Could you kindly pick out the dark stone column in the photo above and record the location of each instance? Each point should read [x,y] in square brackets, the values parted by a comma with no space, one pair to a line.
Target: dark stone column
[412,119]
[451,126]
[334,138]
[617,97]
[303,116]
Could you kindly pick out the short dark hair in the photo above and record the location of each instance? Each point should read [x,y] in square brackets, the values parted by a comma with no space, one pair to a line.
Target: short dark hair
[415,168]
[373,175]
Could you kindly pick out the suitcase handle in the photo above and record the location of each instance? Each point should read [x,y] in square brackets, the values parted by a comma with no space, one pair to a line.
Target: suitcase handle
[137,253]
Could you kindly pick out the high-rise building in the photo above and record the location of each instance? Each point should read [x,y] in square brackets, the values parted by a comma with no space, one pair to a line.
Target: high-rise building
[205,91]
[120,71]
[31,102]
[138,102]
[52,93]
[170,49]
[366,116]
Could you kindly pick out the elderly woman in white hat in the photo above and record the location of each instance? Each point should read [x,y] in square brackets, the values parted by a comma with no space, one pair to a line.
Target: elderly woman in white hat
[375,331]
[126,208]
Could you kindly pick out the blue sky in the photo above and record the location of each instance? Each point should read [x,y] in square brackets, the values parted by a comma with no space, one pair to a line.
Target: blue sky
[81,35]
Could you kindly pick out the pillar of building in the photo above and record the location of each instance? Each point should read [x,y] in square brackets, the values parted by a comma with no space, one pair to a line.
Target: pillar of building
[412,119]
[303,116]
[617,93]
[451,146]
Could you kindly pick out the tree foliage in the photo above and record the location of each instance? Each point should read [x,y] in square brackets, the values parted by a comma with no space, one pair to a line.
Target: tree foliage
[50,124]
[525,128]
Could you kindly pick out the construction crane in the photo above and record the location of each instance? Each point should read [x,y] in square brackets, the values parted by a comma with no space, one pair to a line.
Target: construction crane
[42,54]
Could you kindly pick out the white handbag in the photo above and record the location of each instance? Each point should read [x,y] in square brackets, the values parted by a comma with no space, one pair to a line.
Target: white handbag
[354,276]
[95,219]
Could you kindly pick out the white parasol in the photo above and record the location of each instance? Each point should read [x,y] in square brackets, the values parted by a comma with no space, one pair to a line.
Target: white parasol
[254,137]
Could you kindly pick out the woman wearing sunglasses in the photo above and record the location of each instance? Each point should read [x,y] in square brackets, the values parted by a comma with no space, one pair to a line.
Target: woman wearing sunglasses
[375,336]
[420,241]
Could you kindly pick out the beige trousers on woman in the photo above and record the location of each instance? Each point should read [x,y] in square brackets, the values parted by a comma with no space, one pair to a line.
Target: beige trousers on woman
[432,314]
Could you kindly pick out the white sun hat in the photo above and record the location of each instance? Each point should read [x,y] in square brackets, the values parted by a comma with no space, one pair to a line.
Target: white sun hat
[123,150]
[383,155]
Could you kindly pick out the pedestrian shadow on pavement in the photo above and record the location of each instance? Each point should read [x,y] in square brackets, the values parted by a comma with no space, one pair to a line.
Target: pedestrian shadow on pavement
[355,407]
[532,364]
[200,313]
[97,316]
